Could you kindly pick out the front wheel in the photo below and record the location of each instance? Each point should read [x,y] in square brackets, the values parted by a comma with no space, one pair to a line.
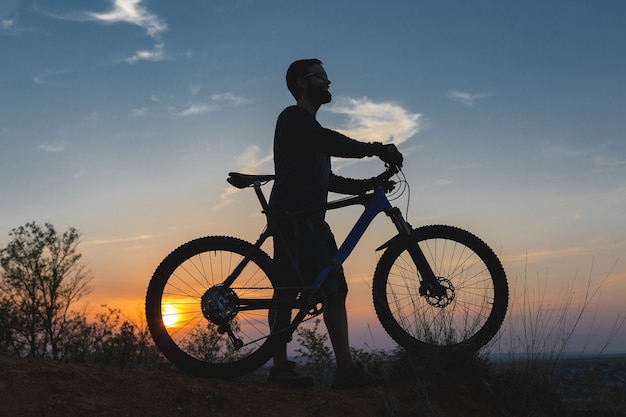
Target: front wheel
[476,291]
[204,327]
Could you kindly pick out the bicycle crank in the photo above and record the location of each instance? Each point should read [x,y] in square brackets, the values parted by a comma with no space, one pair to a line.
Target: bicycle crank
[311,301]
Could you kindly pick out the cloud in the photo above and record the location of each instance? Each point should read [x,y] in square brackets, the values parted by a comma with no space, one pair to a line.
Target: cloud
[603,161]
[43,77]
[195,89]
[117,240]
[230,98]
[125,11]
[139,112]
[250,161]
[468,99]
[371,121]
[7,24]
[122,11]
[195,109]
[217,101]
[541,254]
[560,152]
[133,12]
[52,147]
[10,22]
[154,55]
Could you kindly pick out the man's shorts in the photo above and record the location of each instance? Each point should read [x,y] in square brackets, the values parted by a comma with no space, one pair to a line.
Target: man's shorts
[311,244]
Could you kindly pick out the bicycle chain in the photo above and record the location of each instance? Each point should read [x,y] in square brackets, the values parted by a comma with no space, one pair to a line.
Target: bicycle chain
[312,315]
[280,331]
[265,288]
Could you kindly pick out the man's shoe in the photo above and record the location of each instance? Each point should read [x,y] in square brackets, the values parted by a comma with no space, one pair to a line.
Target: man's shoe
[286,374]
[354,378]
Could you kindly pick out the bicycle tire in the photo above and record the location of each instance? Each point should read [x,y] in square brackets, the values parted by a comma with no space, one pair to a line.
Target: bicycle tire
[475,304]
[174,307]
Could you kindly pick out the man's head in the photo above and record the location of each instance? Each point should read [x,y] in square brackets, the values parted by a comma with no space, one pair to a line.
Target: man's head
[306,78]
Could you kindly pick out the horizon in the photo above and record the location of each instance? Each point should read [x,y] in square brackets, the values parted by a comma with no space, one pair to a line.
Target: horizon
[122,118]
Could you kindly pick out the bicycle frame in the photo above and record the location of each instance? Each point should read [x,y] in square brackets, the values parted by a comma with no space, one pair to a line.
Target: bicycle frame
[374,203]
[230,325]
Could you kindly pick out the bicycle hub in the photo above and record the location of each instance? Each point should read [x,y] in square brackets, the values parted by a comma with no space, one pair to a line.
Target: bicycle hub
[219,305]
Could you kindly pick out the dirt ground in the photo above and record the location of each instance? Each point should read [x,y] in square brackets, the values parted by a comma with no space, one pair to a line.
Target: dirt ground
[34,387]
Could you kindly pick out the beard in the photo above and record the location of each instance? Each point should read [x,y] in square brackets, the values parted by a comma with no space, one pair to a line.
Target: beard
[319,96]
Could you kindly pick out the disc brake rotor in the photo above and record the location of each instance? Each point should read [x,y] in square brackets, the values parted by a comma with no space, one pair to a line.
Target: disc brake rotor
[443,300]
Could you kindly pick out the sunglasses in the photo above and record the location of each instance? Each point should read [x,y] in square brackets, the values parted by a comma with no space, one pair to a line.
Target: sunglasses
[319,75]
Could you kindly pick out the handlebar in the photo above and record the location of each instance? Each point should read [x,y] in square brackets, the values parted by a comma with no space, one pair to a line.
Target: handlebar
[382,180]
[389,172]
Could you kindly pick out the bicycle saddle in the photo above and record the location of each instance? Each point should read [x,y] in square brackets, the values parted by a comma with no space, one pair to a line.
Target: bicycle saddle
[239,180]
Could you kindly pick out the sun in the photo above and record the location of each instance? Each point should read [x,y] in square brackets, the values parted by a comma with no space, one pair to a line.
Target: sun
[169,315]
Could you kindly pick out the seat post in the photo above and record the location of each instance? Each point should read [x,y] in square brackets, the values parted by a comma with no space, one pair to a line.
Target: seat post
[260,195]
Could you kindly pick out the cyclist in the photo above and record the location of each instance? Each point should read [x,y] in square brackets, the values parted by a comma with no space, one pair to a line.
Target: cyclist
[302,151]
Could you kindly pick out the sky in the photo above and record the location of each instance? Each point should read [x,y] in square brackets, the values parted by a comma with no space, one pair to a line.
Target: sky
[122,118]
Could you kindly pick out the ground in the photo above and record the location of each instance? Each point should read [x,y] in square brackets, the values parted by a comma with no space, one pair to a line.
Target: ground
[35,387]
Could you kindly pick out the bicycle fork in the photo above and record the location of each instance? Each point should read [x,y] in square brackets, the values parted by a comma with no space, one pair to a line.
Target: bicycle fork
[430,285]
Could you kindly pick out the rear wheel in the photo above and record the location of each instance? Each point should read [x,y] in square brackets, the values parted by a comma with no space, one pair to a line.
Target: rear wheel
[205,328]
[473,307]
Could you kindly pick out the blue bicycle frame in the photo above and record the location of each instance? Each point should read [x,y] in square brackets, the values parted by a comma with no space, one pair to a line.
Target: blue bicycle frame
[374,203]
[377,203]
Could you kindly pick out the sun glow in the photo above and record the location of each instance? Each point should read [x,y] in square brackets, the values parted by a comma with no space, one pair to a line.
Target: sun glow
[170,315]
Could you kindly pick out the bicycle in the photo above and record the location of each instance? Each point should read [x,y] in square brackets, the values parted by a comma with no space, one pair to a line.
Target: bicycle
[216,307]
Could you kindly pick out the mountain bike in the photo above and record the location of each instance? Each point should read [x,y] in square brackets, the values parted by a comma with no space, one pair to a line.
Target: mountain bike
[216,305]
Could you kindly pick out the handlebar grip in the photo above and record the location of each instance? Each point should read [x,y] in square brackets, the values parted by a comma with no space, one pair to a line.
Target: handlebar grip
[389,172]
[392,170]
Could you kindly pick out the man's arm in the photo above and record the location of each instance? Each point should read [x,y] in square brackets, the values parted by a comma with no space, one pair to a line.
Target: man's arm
[344,185]
[336,144]
[298,123]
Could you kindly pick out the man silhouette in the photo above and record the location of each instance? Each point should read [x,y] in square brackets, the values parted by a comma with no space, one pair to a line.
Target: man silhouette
[302,152]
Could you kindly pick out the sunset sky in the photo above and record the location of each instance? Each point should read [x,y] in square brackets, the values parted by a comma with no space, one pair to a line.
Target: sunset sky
[122,118]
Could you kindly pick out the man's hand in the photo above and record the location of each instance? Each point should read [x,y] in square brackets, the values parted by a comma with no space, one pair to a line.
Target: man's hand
[388,185]
[384,180]
[389,154]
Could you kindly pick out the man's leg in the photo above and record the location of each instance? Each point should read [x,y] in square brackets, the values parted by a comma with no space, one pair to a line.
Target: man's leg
[348,374]
[280,356]
[284,242]
[336,320]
